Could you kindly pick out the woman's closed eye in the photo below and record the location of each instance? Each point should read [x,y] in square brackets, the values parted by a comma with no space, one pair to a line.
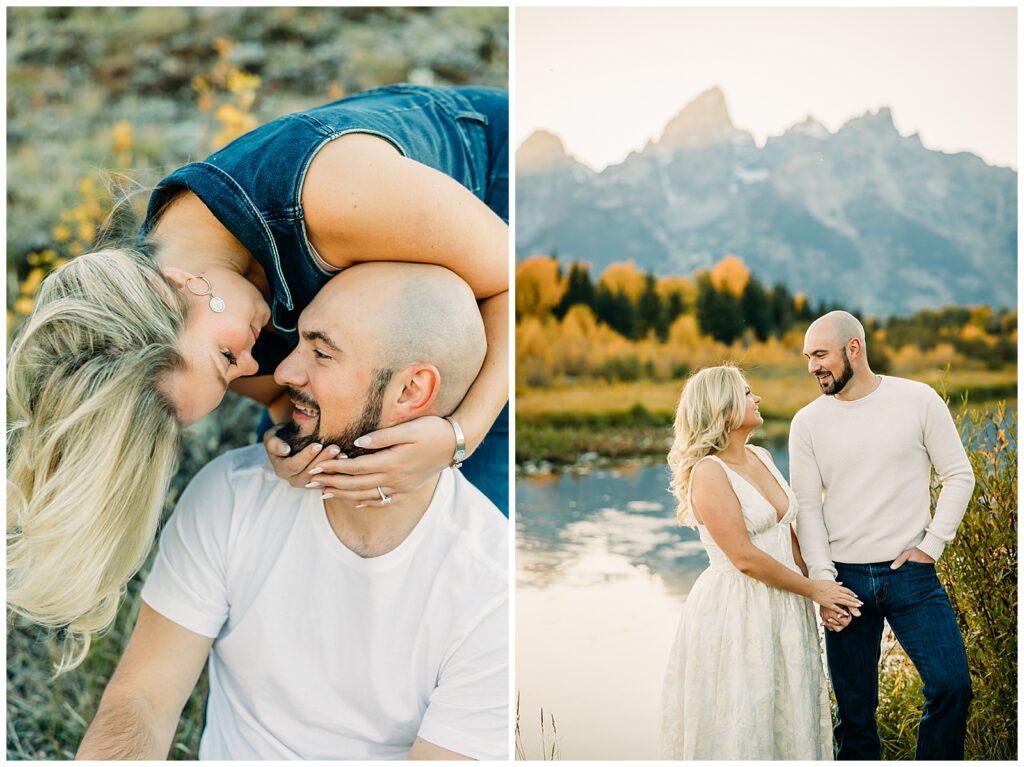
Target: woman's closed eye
[320,355]
[231,358]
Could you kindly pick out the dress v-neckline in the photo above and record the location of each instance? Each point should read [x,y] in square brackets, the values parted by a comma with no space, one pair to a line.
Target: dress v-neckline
[789,501]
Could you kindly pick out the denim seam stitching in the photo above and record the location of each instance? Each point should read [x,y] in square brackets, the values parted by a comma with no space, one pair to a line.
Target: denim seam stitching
[263,224]
[300,217]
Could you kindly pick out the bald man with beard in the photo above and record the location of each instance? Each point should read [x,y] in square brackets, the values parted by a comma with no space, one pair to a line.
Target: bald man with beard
[334,629]
[860,464]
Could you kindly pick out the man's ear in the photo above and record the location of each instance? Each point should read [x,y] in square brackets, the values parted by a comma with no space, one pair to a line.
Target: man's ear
[421,383]
[856,348]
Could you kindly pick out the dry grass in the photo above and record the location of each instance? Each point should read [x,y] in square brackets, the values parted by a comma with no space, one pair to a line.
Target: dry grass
[782,394]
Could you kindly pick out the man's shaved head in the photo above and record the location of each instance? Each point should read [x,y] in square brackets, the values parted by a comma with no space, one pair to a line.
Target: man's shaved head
[838,326]
[417,313]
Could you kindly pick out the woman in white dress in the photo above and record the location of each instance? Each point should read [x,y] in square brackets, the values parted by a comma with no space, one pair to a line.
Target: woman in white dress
[745,678]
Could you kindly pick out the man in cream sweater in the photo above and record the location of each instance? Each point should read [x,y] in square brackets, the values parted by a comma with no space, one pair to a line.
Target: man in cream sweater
[860,464]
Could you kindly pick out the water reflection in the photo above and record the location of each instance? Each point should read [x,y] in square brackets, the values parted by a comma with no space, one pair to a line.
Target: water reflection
[628,511]
[602,570]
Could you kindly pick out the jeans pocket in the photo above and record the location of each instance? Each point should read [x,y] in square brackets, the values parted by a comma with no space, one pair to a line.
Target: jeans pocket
[920,564]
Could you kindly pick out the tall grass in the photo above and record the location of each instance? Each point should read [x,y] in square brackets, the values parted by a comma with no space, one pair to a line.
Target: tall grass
[548,738]
[979,572]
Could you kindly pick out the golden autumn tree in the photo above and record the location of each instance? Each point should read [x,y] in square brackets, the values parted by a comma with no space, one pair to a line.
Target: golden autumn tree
[683,287]
[579,331]
[730,274]
[539,286]
[626,277]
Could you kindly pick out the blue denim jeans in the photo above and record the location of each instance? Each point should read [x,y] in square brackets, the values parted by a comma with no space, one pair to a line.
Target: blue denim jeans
[487,468]
[912,600]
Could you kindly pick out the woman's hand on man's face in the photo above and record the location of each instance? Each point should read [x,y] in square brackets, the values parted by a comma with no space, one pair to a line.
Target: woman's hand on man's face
[295,468]
[405,456]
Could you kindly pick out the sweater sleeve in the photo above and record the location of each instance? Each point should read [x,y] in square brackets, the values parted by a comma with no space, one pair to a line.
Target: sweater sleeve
[807,486]
[947,454]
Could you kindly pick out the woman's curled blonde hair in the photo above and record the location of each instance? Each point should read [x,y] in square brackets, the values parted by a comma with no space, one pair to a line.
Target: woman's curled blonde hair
[92,440]
[712,404]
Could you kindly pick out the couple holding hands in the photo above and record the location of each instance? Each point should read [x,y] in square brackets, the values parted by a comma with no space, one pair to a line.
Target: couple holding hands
[854,534]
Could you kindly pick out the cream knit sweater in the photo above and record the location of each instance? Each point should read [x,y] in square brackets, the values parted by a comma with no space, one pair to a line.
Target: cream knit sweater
[861,472]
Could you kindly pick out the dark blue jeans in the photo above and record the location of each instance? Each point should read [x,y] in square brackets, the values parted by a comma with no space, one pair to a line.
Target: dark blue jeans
[914,603]
[487,468]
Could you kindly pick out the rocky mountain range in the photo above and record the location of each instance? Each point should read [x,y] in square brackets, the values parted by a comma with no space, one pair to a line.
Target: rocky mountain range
[863,216]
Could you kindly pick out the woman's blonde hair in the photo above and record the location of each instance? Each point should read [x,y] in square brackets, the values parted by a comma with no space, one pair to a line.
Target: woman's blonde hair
[92,440]
[712,404]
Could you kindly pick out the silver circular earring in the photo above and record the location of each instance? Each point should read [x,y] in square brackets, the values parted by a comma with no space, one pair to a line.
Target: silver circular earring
[216,304]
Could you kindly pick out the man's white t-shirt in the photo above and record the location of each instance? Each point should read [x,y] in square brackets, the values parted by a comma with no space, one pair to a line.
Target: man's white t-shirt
[321,654]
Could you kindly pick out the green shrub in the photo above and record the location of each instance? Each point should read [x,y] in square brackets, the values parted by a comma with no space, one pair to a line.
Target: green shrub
[979,572]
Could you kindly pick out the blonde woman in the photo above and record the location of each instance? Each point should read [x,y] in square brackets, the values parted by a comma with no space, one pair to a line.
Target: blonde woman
[125,348]
[744,679]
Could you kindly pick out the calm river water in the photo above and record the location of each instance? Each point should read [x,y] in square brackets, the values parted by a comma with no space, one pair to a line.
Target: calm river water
[602,571]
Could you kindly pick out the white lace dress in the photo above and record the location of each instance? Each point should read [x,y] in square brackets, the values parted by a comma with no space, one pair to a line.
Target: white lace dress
[745,678]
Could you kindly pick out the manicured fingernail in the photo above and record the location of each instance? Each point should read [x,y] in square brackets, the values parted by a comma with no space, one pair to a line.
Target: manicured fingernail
[333,450]
[363,441]
[287,449]
[312,484]
[342,455]
[317,470]
[325,496]
[317,448]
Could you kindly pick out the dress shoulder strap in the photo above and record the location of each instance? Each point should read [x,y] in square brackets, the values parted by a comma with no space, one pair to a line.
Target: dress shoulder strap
[689,484]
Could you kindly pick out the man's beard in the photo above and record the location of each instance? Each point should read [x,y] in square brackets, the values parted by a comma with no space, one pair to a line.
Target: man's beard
[369,420]
[838,383]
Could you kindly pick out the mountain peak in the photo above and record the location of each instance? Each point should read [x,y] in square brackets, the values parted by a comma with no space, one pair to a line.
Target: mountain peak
[542,151]
[702,122]
[810,127]
[877,120]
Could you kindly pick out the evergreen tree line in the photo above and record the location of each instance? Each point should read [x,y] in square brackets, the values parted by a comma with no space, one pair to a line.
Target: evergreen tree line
[720,313]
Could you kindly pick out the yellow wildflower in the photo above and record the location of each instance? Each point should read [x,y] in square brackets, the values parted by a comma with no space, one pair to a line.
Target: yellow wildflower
[86,231]
[223,46]
[31,283]
[239,81]
[24,305]
[123,139]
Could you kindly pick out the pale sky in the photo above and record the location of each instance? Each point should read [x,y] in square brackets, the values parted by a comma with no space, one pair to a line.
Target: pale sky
[608,79]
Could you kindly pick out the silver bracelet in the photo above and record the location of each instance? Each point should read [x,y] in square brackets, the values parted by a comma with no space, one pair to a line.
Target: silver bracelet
[460,443]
